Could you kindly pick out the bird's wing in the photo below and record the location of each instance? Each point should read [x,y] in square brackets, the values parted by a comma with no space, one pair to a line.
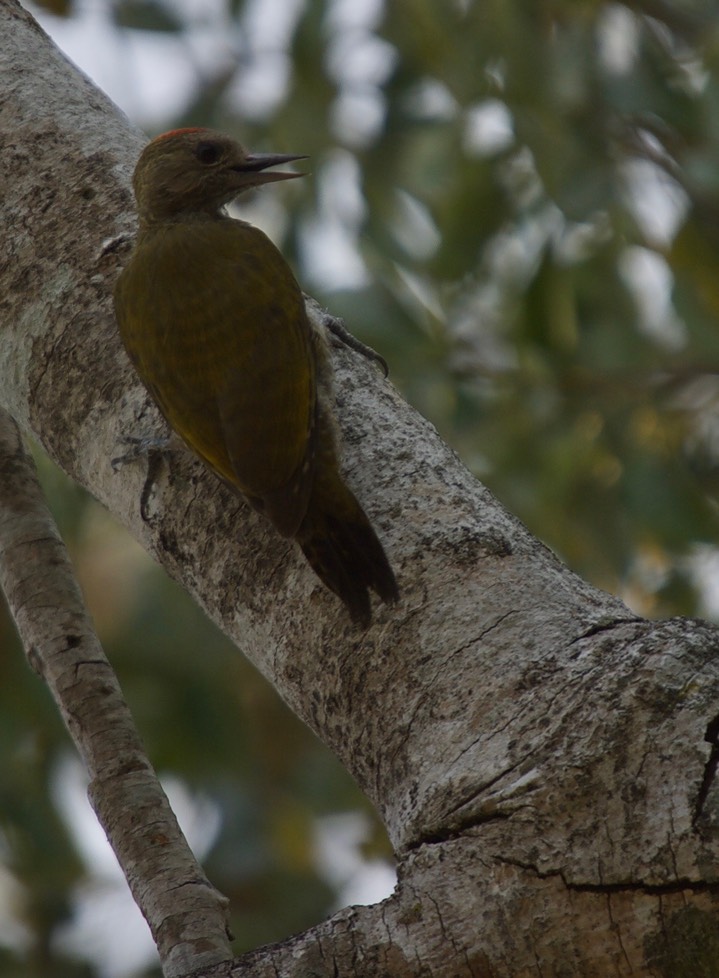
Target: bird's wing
[215,324]
[267,390]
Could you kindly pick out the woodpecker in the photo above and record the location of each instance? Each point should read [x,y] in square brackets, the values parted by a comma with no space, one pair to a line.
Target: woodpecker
[215,324]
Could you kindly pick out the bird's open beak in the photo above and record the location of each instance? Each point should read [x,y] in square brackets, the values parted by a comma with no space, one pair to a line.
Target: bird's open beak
[256,162]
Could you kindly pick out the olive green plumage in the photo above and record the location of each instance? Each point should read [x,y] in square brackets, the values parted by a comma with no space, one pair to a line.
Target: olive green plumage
[215,324]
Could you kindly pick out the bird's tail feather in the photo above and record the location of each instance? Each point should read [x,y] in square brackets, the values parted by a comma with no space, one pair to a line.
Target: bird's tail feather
[342,548]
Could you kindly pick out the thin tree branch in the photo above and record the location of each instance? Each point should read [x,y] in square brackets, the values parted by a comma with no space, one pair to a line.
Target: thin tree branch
[187,916]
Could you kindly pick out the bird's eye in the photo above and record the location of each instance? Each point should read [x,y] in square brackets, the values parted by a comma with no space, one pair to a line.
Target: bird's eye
[208,153]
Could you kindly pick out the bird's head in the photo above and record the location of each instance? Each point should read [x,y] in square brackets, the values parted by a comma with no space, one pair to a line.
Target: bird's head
[197,171]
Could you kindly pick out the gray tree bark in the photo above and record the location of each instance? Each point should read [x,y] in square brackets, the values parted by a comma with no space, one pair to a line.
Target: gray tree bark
[544,761]
[186,914]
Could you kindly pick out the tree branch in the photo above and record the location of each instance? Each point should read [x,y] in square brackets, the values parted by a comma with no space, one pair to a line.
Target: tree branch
[186,915]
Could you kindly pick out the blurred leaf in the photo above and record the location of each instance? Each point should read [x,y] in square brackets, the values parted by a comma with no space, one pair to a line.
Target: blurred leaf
[58,8]
[146,15]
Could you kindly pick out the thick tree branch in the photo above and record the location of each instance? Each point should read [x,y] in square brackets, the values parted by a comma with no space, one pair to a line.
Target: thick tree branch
[540,757]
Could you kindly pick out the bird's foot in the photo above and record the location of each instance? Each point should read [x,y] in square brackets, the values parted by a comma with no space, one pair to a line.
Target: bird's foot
[340,331]
[155,449]
[142,447]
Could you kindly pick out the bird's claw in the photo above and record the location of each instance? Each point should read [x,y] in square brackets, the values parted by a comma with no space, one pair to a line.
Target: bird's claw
[142,446]
[340,331]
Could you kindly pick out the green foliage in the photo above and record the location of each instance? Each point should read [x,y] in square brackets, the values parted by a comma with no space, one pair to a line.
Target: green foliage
[560,325]
[146,15]
[536,211]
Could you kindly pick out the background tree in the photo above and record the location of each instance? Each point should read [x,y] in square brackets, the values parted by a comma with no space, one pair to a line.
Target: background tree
[532,251]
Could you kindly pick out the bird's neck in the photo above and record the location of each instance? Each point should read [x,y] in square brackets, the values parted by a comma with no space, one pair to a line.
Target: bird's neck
[150,218]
